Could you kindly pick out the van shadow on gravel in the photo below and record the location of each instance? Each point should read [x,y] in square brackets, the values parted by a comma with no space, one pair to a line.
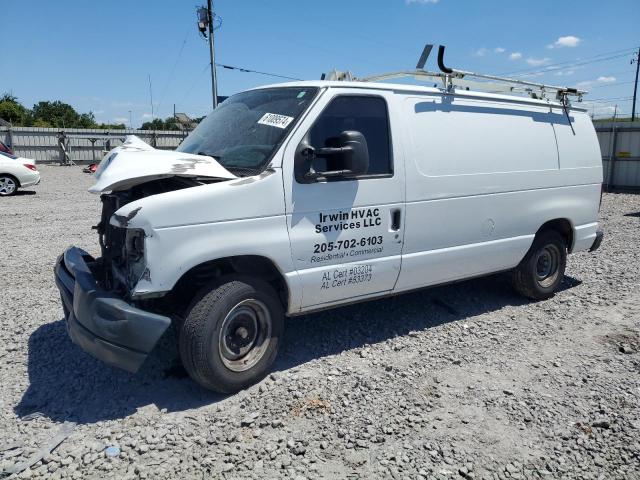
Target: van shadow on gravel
[67,384]
[333,331]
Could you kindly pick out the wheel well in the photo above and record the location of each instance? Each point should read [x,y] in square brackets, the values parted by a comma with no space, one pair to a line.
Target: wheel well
[563,227]
[200,275]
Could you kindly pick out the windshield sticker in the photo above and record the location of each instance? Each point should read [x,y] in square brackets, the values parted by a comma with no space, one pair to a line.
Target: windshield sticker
[301,94]
[275,120]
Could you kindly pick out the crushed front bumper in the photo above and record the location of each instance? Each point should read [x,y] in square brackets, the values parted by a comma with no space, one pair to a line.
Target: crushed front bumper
[102,324]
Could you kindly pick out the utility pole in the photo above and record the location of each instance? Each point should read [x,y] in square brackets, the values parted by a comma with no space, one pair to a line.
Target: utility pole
[613,140]
[151,96]
[130,121]
[635,85]
[212,54]
[205,23]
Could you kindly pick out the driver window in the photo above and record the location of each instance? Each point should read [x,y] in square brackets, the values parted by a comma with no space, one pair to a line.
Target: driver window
[367,115]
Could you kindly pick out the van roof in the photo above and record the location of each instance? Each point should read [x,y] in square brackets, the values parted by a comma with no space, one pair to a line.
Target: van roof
[419,89]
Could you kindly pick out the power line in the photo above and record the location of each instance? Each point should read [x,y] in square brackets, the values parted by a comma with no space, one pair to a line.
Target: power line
[230,67]
[604,54]
[550,69]
[591,103]
[618,72]
[607,99]
[247,70]
[166,85]
[613,84]
[571,63]
[594,102]
[193,84]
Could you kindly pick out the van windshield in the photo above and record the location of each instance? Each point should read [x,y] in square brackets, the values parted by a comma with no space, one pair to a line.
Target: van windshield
[245,130]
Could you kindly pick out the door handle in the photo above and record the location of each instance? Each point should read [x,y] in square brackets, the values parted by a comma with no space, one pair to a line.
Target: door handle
[396,219]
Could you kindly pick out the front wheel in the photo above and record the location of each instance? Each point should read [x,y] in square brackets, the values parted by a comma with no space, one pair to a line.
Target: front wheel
[230,336]
[541,271]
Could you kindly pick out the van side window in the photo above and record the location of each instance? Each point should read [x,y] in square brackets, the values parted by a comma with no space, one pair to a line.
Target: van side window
[367,115]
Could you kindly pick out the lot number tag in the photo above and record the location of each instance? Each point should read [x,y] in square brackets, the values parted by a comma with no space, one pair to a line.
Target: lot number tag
[275,120]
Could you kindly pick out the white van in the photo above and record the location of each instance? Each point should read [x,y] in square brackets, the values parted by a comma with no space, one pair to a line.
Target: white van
[304,196]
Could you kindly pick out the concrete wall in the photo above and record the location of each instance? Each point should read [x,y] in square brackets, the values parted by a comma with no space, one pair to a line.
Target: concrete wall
[41,144]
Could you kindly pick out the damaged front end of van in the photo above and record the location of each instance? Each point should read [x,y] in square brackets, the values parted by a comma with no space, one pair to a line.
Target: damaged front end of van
[102,315]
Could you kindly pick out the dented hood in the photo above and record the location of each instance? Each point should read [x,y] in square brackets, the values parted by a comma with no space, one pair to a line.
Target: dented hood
[136,162]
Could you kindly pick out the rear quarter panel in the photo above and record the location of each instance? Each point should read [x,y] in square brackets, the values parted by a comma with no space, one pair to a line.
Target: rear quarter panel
[482,177]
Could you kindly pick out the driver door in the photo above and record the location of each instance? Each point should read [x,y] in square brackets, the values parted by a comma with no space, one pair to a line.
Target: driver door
[346,233]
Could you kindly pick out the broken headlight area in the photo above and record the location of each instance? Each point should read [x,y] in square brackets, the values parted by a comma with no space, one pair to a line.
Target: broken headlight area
[128,267]
[122,262]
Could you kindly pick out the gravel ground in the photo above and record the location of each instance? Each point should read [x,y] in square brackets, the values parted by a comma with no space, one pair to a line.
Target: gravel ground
[461,381]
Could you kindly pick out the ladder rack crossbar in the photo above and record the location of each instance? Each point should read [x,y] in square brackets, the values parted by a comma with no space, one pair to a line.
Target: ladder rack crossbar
[455,79]
[511,84]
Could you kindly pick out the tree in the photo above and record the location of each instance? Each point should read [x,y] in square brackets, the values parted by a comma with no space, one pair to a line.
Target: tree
[170,123]
[61,115]
[11,110]
[155,124]
[112,126]
[58,114]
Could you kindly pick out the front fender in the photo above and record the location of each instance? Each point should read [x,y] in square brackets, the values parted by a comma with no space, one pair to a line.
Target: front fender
[171,252]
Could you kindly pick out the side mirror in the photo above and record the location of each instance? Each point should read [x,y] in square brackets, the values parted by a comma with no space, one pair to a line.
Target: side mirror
[350,157]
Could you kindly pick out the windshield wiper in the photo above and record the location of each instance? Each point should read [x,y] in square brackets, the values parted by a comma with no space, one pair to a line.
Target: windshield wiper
[233,169]
[204,154]
[250,171]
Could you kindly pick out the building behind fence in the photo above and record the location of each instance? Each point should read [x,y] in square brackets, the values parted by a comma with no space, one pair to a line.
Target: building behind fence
[619,145]
[83,145]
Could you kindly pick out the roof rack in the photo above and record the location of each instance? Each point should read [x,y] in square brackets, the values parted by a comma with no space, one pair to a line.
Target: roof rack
[457,79]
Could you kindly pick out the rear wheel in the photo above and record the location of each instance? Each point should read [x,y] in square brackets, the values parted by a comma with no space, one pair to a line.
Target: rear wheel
[8,185]
[231,334]
[541,271]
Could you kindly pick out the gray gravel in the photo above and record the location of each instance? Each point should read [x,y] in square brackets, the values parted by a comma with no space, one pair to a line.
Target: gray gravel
[463,381]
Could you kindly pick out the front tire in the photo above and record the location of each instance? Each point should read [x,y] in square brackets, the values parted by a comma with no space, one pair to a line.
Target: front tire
[231,334]
[8,185]
[540,273]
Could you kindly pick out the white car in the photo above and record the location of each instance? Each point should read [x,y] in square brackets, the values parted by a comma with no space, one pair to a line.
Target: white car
[306,196]
[16,172]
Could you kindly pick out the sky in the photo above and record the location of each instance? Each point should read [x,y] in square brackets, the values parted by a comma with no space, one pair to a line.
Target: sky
[98,56]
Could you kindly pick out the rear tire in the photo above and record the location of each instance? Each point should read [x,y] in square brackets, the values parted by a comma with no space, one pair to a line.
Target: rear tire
[541,271]
[231,334]
[8,185]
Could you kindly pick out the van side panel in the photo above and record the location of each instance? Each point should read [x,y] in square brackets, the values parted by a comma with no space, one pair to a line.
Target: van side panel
[482,177]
